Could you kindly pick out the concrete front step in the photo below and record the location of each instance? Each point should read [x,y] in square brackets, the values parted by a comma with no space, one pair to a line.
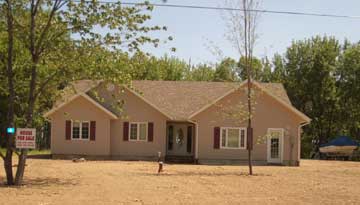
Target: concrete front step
[180,159]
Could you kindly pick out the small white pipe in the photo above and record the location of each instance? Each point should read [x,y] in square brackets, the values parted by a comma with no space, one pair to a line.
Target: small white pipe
[299,141]
[196,139]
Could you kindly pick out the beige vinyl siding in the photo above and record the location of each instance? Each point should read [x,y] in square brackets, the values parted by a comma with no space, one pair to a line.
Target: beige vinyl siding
[82,110]
[136,110]
[268,114]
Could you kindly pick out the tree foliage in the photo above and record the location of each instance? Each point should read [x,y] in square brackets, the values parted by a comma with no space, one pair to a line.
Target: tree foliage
[47,43]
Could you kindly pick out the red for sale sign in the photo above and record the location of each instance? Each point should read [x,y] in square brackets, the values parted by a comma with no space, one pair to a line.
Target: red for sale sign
[25,138]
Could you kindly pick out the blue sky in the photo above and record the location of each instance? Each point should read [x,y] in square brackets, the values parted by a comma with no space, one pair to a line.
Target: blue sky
[192,29]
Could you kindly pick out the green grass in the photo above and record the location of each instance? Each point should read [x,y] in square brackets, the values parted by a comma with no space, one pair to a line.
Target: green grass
[31,152]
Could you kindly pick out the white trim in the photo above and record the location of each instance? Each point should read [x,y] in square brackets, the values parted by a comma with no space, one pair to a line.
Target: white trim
[216,100]
[47,114]
[268,146]
[138,132]
[286,105]
[226,139]
[112,115]
[148,102]
[80,131]
[299,139]
[99,106]
[196,153]
[196,135]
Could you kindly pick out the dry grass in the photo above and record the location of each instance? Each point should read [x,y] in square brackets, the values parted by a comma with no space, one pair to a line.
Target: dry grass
[117,182]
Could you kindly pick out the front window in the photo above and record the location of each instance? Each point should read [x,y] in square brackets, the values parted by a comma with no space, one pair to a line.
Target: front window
[233,138]
[85,130]
[80,130]
[138,131]
[133,131]
[76,130]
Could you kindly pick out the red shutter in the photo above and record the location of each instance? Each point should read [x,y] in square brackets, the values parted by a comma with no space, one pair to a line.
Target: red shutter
[92,130]
[216,137]
[68,129]
[189,139]
[126,131]
[150,131]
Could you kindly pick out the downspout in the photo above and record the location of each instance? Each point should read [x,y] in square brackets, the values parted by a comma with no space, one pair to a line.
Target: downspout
[299,141]
[196,157]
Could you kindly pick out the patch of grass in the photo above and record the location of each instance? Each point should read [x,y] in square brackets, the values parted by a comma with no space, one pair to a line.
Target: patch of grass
[38,152]
[31,152]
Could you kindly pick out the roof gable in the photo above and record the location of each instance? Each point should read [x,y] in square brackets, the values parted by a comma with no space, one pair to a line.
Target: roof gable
[88,98]
[179,99]
[182,100]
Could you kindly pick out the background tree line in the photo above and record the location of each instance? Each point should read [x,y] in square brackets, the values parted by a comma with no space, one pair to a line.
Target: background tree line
[321,76]
[46,44]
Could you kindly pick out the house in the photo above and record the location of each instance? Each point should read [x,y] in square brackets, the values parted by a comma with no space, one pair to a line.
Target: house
[204,121]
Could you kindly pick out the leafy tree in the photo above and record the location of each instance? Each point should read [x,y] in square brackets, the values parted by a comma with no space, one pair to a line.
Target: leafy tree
[349,89]
[266,74]
[226,71]
[58,42]
[145,67]
[278,73]
[256,66]
[202,72]
[309,79]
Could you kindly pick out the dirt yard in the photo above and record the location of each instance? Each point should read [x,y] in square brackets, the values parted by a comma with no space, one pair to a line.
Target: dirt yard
[117,182]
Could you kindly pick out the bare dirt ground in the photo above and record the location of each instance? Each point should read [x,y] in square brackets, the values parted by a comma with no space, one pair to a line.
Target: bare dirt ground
[117,182]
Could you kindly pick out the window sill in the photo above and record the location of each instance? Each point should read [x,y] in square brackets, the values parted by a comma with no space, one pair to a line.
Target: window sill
[234,148]
[80,140]
[138,140]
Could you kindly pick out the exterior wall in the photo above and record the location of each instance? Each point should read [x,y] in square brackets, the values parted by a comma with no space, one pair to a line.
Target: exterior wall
[268,114]
[136,110]
[109,141]
[80,109]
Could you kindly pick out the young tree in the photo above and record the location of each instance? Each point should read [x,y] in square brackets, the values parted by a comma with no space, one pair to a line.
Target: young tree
[41,26]
[242,34]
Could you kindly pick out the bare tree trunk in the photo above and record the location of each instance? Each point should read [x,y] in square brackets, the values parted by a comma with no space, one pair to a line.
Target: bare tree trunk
[10,78]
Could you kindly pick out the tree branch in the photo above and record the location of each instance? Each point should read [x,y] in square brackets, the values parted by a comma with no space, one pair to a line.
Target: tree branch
[55,7]
[16,152]
[2,155]
[44,84]
[52,38]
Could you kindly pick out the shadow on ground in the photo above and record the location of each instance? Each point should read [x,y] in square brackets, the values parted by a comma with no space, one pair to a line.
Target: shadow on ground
[42,182]
[212,174]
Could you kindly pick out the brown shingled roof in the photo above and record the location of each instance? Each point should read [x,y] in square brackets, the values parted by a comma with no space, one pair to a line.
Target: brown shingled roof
[178,99]
[76,87]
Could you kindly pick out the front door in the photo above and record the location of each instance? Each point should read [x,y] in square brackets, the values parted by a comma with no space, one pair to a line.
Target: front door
[275,145]
[180,139]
